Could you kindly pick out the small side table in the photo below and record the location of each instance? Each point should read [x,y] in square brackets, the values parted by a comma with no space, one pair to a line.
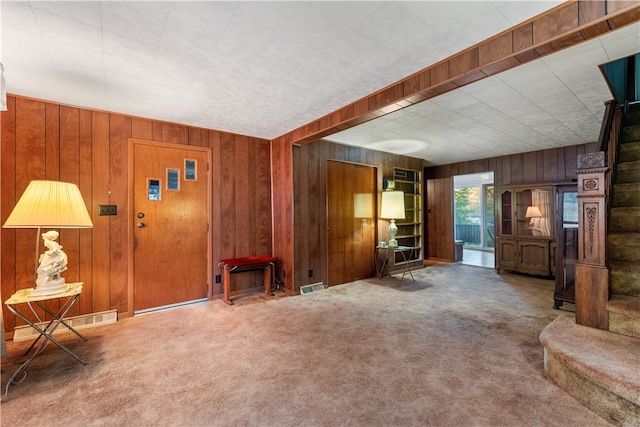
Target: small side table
[382,267]
[69,297]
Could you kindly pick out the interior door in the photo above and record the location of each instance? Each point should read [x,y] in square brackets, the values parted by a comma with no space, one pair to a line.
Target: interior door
[170,225]
[351,195]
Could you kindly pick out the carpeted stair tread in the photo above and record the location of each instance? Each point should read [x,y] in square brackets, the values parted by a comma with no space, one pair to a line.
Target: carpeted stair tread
[630,133]
[625,304]
[625,219]
[628,172]
[626,195]
[607,359]
[632,115]
[624,246]
[629,152]
[624,315]
[624,278]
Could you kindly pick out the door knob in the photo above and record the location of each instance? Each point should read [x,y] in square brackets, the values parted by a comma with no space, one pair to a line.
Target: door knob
[140,215]
[140,225]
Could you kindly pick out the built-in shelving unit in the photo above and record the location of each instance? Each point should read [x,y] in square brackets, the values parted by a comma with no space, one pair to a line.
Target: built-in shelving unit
[409,229]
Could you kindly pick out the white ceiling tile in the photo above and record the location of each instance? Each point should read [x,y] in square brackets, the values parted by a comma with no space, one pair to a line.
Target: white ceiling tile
[519,11]
[178,39]
[275,16]
[34,44]
[131,49]
[121,19]
[18,15]
[86,12]
[74,33]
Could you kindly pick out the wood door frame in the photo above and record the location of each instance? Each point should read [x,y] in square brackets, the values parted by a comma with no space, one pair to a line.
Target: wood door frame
[326,206]
[133,142]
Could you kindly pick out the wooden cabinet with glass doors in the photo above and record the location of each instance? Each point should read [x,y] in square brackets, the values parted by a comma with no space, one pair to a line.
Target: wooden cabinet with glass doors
[525,240]
[567,246]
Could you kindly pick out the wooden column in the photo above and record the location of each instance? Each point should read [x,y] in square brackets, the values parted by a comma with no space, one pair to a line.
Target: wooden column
[592,275]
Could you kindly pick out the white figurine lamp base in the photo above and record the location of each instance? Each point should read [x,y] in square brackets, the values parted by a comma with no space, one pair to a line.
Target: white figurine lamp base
[392,208]
[393,232]
[52,262]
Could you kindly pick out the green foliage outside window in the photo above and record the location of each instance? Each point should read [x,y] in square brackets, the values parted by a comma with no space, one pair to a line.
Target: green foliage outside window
[468,205]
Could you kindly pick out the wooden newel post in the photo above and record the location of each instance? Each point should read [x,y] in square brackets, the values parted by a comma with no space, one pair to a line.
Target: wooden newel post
[592,275]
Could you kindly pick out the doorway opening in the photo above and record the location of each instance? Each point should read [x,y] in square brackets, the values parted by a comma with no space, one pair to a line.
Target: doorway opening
[474,219]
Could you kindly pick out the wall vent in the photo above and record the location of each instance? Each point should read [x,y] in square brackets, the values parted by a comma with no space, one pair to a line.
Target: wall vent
[314,287]
[25,332]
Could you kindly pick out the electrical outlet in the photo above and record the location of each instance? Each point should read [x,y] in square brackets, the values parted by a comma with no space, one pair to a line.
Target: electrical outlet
[107,210]
[311,273]
[218,278]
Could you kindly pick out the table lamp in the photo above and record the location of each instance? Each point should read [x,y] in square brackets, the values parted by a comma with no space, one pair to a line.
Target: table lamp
[49,204]
[533,212]
[392,208]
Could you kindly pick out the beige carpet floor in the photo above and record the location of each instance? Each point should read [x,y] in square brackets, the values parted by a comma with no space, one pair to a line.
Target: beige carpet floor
[459,347]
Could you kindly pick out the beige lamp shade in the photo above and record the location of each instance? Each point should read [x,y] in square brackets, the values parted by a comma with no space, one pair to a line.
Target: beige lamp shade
[50,204]
[392,205]
[533,212]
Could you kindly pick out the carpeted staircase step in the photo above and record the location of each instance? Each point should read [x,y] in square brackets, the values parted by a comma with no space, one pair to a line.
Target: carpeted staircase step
[626,195]
[632,115]
[599,368]
[625,219]
[629,152]
[624,316]
[630,133]
[624,247]
[624,278]
[628,172]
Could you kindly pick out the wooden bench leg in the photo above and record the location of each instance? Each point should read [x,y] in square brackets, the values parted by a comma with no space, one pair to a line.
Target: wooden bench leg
[226,282]
[268,279]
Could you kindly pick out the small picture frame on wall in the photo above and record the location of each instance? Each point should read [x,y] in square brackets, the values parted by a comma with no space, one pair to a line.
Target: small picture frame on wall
[173,179]
[190,170]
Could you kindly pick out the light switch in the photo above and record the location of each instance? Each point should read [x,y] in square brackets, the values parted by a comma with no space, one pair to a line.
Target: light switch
[107,210]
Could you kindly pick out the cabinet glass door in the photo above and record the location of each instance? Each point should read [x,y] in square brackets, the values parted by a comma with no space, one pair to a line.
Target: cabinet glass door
[506,226]
[568,244]
[533,212]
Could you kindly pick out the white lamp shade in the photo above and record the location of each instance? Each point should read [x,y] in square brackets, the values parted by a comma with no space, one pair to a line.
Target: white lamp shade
[50,204]
[533,212]
[392,205]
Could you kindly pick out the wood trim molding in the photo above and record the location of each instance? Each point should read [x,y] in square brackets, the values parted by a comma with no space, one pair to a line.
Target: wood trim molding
[558,28]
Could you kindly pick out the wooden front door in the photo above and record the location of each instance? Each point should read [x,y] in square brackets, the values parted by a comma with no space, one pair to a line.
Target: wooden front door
[170,217]
[351,201]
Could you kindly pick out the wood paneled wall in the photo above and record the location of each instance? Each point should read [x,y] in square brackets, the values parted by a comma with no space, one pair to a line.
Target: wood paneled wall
[551,165]
[45,140]
[310,190]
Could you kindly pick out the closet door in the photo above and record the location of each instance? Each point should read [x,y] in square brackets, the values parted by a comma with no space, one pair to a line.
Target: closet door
[351,196]
[440,219]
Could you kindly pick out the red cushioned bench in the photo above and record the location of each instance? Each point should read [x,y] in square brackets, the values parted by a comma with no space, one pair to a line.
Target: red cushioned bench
[251,263]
